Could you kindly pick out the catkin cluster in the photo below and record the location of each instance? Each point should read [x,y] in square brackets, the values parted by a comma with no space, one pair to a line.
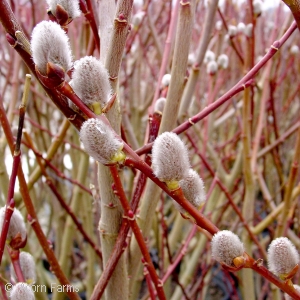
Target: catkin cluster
[170,163]
[90,79]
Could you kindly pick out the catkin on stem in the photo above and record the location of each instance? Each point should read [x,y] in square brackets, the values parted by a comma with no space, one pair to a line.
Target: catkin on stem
[49,43]
[226,246]
[282,256]
[16,225]
[170,160]
[21,291]
[100,142]
[70,6]
[90,82]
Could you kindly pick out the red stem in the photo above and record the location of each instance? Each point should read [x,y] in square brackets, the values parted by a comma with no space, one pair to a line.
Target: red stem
[78,223]
[179,257]
[15,259]
[207,110]
[31,211]
[137,231]
[228,196]
[245,82]
[263,271]
[149,284]
[167,50]
[62,201]
[7,216]
[3,290]
[13,176]
[120,243]
[177,195]
[89,15]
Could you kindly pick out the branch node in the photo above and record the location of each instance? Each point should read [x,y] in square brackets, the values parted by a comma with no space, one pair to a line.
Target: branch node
[191,122]
[274,47]
[72,118]
[129,217]
[160,283]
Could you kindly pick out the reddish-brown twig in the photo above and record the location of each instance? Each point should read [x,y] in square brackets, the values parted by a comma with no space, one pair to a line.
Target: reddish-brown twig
[15,259]
[6,220]
[32,214]
[89,15]
[137,232]
[16,162]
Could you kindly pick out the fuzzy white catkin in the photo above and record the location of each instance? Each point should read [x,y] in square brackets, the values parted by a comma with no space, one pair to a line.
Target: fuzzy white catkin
[223,61]
[160,104]
[288,297]
[27,266]
[21,291]
[165,81]
[170,160]
[49,43]
[209,56]
[70,6]
[248,30]
[90,81]
[219,25]
[282,256]
[241,27]
[226,246]
[257,7]
[191,59]
[294,49]
[212,67]
[16,225]
[137,18]
[193,189]
[232,31]
[100,141]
